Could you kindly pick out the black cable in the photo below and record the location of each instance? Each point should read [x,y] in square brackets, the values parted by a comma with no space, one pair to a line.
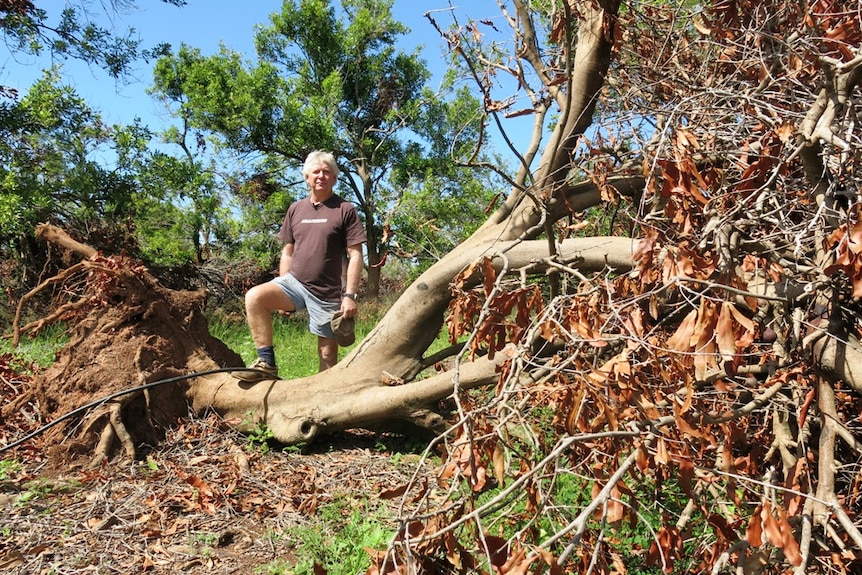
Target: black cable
[99,402]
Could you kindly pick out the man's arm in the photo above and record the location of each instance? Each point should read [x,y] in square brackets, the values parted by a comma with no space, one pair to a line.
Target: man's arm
[354,276]
[286,259]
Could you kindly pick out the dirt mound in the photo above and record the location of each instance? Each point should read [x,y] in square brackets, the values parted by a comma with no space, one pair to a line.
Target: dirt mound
[127,331]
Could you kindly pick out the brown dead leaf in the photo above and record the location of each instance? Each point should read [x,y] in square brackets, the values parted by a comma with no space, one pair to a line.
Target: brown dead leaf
[454,552]
[788,542]
[393,493]
[796,483]
[616,509]
[517,564]
[12,559]
[522,112]
[686,476]
[754,531]
[681,339]
[724,335]
[702,26]
[785,132]
[770,526]
[686,139]
[499,460]
[661,454]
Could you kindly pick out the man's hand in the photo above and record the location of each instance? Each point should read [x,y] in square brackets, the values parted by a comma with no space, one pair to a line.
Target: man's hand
[348,307]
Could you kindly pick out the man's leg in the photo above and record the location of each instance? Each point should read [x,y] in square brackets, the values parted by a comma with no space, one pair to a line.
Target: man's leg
[261,302]
[327,351]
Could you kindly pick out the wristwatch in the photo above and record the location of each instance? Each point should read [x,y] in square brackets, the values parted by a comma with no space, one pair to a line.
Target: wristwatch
[350,295]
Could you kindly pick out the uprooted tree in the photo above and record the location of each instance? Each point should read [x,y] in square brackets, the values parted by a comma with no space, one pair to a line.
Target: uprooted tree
[701,378]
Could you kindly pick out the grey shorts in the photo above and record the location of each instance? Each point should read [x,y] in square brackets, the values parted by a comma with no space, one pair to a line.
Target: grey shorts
[319,311]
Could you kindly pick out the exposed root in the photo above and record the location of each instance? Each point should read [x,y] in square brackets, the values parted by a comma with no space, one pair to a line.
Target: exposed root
[121,431]
[103,448]
[59,278]
[17,404]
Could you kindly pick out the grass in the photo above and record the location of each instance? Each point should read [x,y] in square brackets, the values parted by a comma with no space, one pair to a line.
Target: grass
[337,537]
[40,350]
[295,346]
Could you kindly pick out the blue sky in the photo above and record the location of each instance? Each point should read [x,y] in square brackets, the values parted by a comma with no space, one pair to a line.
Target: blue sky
[205,24]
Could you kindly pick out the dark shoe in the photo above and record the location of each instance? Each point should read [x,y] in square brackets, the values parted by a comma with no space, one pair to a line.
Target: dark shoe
[257,371]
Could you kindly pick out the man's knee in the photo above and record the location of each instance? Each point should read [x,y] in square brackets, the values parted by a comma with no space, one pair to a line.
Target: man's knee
[252,297]
[329,354]
[328,351]
[267,297]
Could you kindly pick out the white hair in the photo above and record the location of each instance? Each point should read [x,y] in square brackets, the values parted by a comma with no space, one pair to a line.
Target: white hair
[318,157]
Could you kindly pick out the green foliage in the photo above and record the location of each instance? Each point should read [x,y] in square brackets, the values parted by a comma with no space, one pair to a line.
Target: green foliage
[49,168]
[8,467]
[55,167]
[40,350]
[73,33]
[337,536]
[259,438]
[435,214]
[202,544]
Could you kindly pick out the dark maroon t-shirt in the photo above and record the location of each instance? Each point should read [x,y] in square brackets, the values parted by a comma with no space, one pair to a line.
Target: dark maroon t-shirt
[320,236]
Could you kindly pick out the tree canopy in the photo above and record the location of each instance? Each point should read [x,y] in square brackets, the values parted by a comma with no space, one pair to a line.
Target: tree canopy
[334,80]
[29,28]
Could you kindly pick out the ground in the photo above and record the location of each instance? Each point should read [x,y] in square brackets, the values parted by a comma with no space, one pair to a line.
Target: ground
[205,500]
[142,484]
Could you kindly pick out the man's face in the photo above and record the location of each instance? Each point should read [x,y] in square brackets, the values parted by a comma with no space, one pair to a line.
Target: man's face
[320,178]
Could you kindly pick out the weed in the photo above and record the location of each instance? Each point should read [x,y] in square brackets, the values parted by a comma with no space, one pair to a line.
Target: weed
[40,350]
[277,567]
[8,467]
[337,538]
[259,437]
[203,543]
[272,536]
[35,491]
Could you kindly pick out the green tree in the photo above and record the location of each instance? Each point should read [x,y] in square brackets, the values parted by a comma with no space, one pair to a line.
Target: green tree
[180,212]
[29,29]
[322,80]
[442,197]
[49,163]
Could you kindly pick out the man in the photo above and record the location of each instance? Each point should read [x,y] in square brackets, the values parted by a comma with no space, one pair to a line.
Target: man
[319,232]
